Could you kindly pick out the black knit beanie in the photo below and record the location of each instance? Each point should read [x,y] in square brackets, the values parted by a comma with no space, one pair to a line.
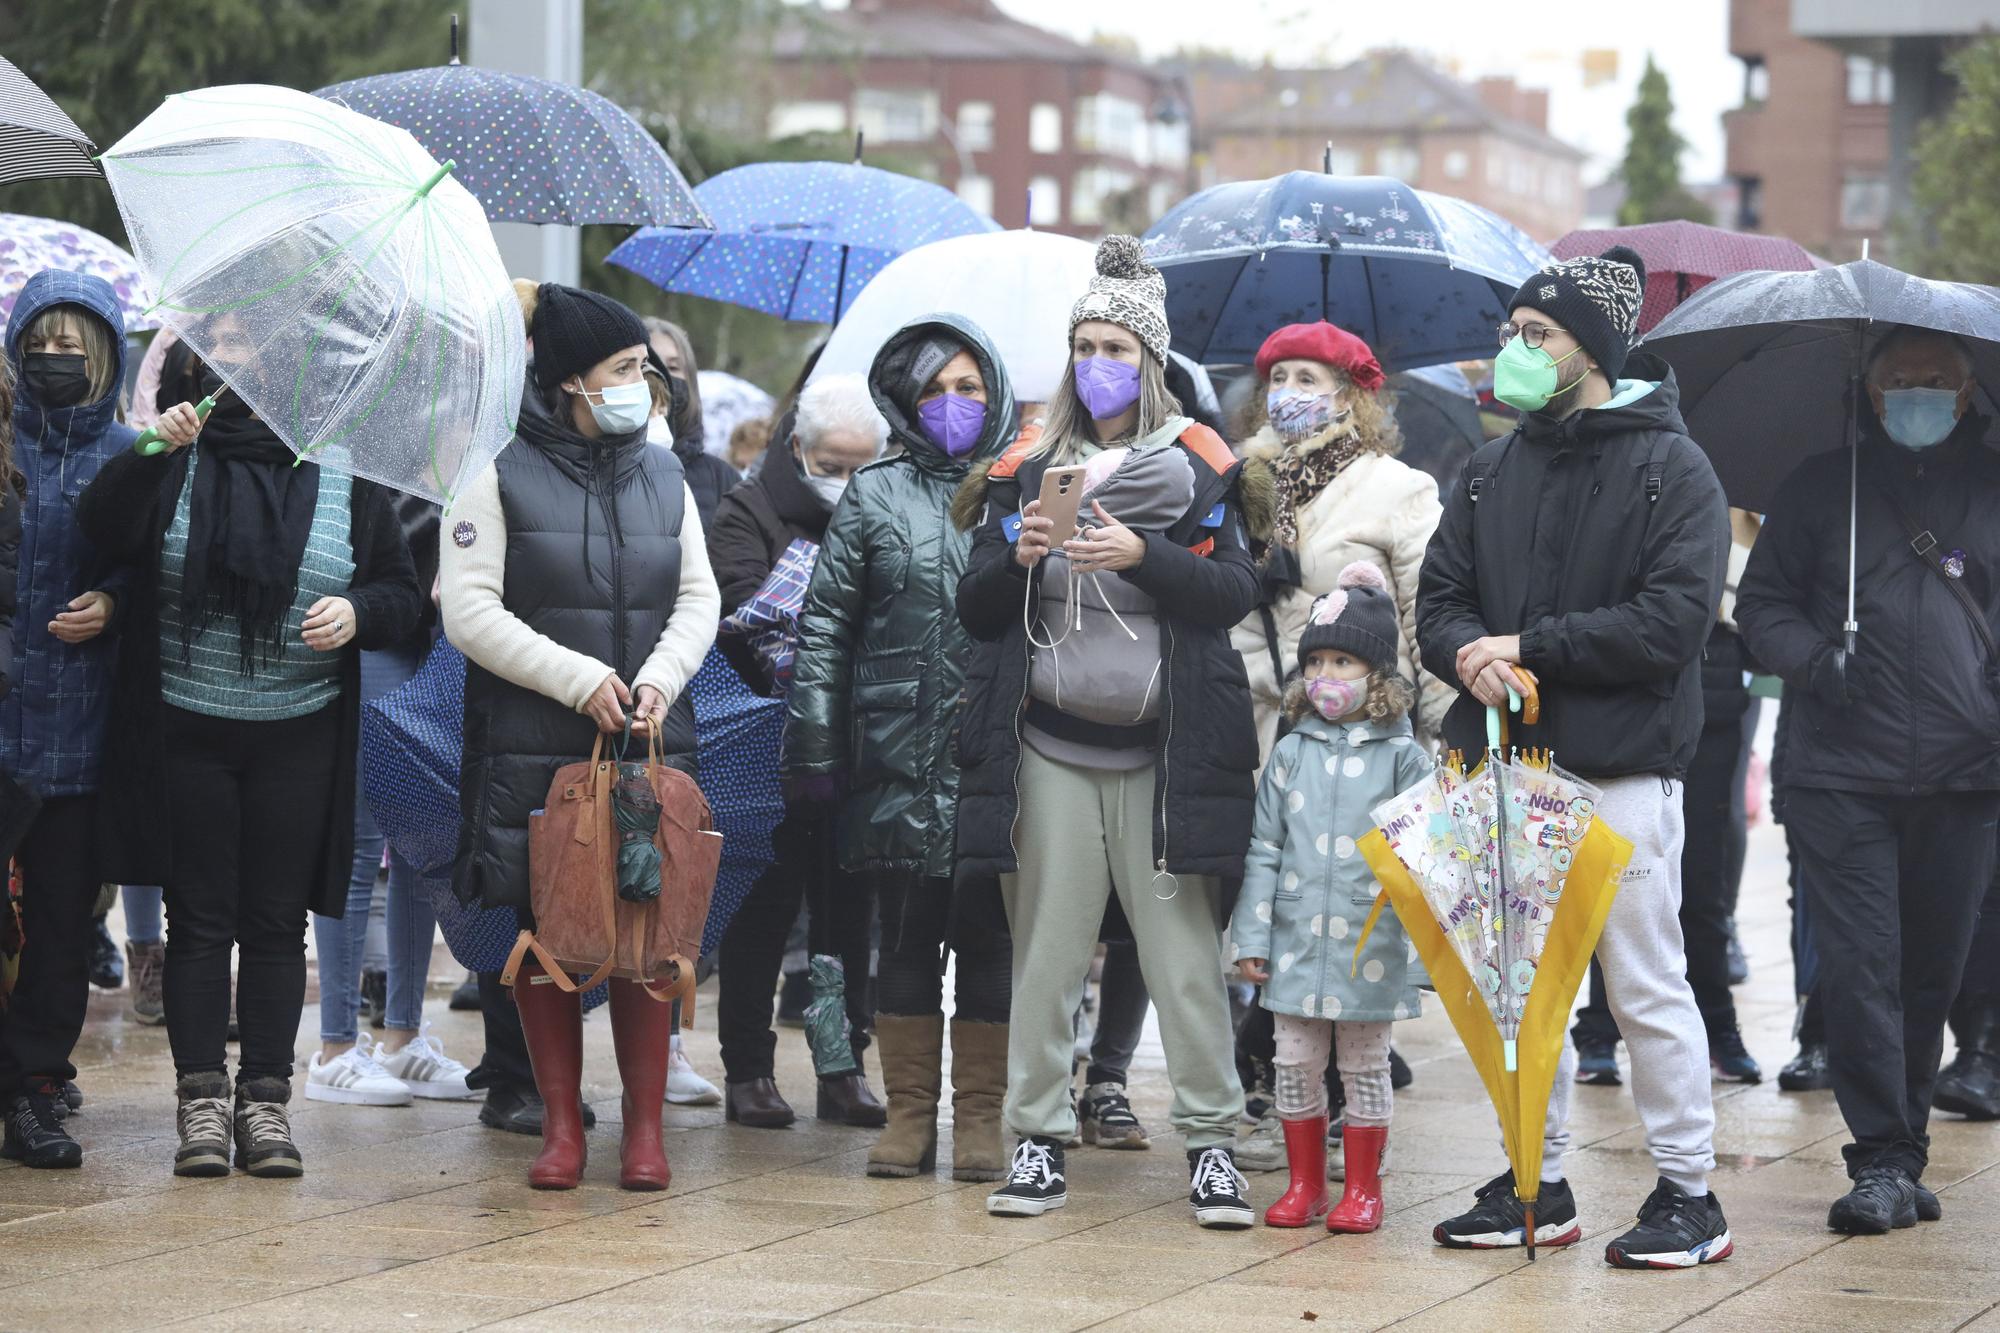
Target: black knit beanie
[1358,617]
[1596,299]
[575,329]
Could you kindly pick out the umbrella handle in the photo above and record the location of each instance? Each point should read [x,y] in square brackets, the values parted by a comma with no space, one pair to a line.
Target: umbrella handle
[1528,705]
[149,442]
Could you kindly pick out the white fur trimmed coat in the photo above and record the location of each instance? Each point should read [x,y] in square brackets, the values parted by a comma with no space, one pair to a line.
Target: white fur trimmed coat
[1380,510]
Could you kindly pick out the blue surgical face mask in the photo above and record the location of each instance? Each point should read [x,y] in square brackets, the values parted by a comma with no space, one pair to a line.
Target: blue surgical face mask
[623,407]
[1919,418]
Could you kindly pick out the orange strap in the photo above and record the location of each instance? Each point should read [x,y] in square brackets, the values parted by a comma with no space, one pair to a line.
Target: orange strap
[1017,453]
[1209,447]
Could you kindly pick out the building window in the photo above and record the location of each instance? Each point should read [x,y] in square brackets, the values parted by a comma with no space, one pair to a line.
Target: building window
[1398,160]
[1045,202]
[1114,126]
[1756,81]
[1170,142]
[1869,82]
[1864,202]
[975,126]
[1496,169]
[1749,202]
[1094,188]
[1045,128]
[793,118]
[896,115]
[977,192]
[1342,162]
[1457,164]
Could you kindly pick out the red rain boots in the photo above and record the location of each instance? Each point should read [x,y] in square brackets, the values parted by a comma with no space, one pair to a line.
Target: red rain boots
[1305,1202]
[1360,1207]
[552,1022]
[641,1030]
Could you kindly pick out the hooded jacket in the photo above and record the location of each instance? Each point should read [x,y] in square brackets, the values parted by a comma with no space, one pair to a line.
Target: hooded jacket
[595,547]
[1601,539]
[882,656]
[52,723]
[1920,712]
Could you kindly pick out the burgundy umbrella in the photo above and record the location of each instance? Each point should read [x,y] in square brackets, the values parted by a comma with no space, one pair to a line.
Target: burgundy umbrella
[1683,257]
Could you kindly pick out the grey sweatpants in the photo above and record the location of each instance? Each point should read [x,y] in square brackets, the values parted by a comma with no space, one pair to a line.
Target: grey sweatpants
[1082,835]
[1645,983]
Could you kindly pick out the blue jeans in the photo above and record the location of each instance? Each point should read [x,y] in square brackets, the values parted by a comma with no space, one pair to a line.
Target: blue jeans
[411,923]
[142,913]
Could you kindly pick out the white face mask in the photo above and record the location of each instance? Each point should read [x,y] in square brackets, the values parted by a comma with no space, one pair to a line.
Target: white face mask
[659,432]
[623,408]
[828,489]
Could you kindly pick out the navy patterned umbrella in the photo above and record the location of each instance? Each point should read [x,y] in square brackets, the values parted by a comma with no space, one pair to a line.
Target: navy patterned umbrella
[531,150]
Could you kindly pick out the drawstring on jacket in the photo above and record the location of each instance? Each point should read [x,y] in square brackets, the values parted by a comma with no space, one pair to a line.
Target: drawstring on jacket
[1072,621]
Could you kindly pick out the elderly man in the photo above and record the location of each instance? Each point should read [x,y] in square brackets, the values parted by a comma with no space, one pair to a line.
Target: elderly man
[1589,547]
[1894,751]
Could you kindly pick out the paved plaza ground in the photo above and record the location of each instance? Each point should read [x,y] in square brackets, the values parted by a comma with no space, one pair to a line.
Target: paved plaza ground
[419,1218]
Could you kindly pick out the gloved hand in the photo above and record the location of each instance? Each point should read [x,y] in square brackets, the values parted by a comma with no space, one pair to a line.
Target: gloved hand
[814,788]
[1828,678]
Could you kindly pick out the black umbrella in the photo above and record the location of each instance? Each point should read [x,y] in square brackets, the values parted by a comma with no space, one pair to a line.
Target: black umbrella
[1438,414]
[1770,364]
[530,150]
[36,139]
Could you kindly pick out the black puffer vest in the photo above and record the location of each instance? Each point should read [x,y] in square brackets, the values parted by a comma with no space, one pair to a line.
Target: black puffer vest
[594,563]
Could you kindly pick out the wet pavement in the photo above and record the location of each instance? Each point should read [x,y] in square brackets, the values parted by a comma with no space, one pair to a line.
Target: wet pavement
[418,1217]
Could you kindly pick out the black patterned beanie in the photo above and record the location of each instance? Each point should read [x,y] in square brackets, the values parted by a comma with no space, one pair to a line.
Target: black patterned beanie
[1596,299]
[1128,292]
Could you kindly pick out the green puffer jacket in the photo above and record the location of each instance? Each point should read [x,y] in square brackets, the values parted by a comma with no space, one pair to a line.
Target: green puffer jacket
[882,655]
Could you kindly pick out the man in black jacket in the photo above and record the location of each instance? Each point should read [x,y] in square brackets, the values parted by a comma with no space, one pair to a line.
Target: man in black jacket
[1588,547]
[1893,752]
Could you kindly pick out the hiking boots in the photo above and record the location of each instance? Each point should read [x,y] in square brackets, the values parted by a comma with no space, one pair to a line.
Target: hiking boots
[34,1134]
[146,964]
[1035,1184]
[264,1144]
[201,1117]
[1498,1219]
[1675,1230]
[1883,1198]
[1108,1120]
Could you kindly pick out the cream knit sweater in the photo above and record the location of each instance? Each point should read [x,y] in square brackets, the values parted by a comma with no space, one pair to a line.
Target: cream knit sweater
[473,579]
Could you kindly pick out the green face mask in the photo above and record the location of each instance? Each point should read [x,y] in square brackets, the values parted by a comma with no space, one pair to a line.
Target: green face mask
[1524,377]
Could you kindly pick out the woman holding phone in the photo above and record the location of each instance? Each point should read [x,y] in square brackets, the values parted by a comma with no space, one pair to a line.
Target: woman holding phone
[1107,746]
[875,694]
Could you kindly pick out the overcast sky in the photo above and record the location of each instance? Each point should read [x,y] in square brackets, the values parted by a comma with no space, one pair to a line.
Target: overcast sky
[1541,44]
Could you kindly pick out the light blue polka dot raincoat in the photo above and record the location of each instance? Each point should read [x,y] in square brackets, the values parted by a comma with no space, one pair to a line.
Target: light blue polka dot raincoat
[1307,890]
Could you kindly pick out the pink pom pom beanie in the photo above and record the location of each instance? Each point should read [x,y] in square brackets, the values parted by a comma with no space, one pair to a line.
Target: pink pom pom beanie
[1358,617]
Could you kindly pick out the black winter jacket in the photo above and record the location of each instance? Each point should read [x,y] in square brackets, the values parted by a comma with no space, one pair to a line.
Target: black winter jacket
[594,563]
[1921,713]
[753,526]
[709,477]
[1204,789]
[1613,592]
[125,512]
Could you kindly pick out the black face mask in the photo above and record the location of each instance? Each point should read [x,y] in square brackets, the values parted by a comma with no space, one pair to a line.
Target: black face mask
[56,379]
[227,403]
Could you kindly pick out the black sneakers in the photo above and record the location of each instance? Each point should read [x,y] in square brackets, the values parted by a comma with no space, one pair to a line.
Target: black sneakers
[1498,1220]
[264,1144]
[1597,1063]
[1730,1061]
[1675,1230]
[34,1134]
[518,1110]
[1806,1071]
[1108,1120]
[202,1118]
[1035,1184]
[1217,1190]
[1882,1198]
[107,963]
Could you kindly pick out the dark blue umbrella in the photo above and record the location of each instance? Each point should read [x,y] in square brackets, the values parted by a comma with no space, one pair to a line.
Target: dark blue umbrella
[530,150]
[1424,278]
[798,239]
[740,735]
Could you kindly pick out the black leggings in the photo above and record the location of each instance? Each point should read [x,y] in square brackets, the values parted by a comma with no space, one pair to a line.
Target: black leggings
[916,929]
[249,807]
[44,1018]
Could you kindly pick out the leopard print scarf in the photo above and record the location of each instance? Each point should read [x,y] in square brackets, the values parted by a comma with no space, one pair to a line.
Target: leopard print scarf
[1301,477]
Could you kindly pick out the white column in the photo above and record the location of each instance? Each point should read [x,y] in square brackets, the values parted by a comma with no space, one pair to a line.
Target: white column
[543,38]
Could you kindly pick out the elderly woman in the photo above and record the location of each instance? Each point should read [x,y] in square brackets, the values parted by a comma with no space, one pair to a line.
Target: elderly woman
[1107,743]
[791,498]
[709,476]
[1329,438]
[874,702]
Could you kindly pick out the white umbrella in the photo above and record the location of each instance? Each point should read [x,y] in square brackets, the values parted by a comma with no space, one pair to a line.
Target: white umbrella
[726,401]
[1018,286]
[334,275]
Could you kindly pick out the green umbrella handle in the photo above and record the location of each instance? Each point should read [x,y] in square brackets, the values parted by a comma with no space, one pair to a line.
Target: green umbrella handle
[149,442]
[1493,720]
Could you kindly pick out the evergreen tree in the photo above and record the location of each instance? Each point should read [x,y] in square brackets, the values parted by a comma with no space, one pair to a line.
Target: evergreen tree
[1952,231]
[1652,166]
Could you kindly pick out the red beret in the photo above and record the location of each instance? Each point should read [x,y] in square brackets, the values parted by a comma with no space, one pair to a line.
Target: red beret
[1321,342]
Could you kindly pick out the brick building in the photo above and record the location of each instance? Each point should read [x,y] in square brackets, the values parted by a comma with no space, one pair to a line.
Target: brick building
[1391,114]
[999,110]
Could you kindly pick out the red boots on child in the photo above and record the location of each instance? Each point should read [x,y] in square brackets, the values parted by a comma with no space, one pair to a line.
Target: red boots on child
[1305,1201]
[1360,1207]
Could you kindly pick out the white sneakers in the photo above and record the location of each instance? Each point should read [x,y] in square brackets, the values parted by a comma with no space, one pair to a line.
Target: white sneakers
[424,1068]
[354,1078]
[684,1086]
[366,1075]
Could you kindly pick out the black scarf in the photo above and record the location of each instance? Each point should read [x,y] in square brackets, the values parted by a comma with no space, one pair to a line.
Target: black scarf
[248,519]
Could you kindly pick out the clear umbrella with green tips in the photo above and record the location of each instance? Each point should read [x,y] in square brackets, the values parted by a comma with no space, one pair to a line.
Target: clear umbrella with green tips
[383,335]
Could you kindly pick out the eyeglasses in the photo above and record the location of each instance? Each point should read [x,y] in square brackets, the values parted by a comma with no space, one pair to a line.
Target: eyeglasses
[1532,334]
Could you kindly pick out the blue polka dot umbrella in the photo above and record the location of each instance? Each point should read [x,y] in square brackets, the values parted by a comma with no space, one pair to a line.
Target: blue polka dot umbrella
[529,149]
[798,239]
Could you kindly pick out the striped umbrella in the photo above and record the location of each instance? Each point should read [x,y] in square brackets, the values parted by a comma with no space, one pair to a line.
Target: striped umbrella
[36,139]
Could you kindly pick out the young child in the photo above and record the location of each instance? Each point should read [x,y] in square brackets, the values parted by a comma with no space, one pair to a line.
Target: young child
[1307,892]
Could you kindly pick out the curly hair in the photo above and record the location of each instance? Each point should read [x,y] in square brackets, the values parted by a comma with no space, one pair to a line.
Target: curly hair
[1389,697]
[1372,416]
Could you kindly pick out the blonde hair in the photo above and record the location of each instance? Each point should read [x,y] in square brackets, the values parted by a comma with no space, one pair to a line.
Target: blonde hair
[1389,697]
[1067,423]
[1371,414]
[95,335]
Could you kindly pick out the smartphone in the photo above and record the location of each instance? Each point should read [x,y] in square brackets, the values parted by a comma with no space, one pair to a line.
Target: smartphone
[1062,497]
